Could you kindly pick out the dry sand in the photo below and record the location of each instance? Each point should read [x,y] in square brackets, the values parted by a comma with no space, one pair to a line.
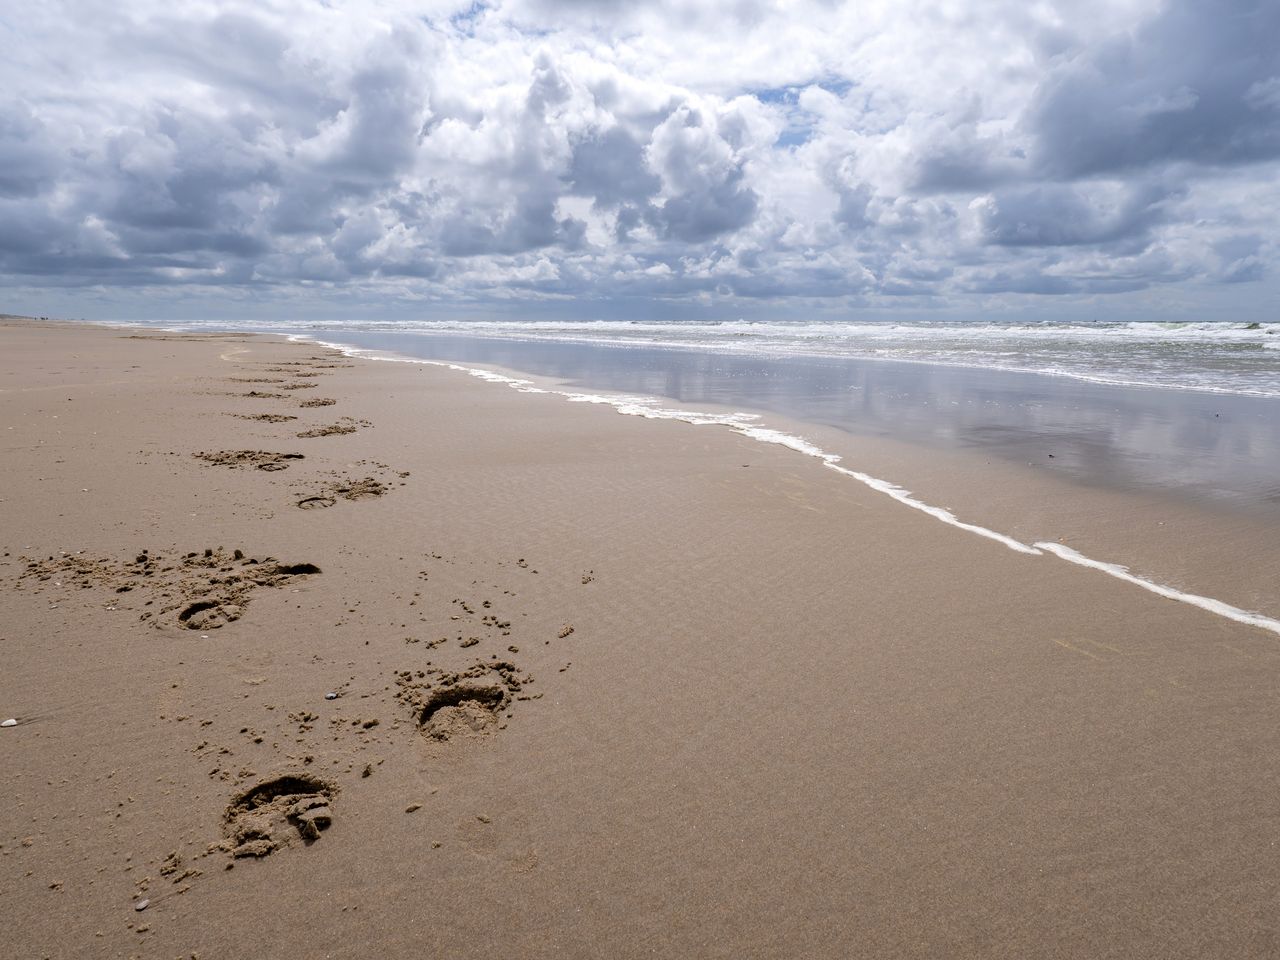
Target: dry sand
[606,687]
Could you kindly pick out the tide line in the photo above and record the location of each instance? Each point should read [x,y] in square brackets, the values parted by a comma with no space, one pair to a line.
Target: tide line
[1195,600]
[938,513]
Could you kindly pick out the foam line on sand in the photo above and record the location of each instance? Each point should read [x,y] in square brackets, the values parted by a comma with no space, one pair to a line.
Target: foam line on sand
[1204,603]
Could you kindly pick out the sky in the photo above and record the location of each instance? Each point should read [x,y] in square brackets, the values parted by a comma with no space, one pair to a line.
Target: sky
[581,159]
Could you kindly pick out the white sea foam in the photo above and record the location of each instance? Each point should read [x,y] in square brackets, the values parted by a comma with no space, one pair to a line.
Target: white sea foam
[946,516]
[1204,603]
[747,425]
[524,386]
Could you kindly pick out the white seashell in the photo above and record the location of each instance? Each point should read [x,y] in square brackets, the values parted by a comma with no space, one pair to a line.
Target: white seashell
[11,722]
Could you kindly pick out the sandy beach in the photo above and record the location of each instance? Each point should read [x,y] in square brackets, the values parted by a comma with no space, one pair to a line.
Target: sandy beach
[327,657]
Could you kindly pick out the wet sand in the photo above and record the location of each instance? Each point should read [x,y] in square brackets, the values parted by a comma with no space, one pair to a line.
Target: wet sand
[604,687]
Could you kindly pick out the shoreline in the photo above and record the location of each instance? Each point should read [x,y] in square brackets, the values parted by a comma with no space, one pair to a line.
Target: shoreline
[1103,435]
[722,703]
[1039,443]
[766,427]
[726,350]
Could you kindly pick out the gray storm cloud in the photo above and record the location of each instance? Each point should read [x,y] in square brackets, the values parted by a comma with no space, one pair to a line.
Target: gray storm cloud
[785,155]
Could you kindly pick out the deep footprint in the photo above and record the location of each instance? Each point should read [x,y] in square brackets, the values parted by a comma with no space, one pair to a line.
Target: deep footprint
[261,459]
[223,597]
[274,812]
[316,503]
[199,591]
[209,614]
[465,708]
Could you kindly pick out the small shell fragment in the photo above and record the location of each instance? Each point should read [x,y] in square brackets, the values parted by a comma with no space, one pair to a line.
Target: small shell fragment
[11,722]
[331,696]
[141,905]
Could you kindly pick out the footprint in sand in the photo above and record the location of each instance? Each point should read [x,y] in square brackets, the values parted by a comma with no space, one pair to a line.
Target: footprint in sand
[467,709]
[261,459]
[276,812]
[264,417]
[365,489]
[343,426]
[316,503]
[220,596]
[200,591]
[318,402]
[449,706]
[209,614]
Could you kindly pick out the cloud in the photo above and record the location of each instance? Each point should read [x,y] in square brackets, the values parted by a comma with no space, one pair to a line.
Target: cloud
[29,159]
[586,154]
[706,192]
[609,166]
[1195,83]
[1069,214]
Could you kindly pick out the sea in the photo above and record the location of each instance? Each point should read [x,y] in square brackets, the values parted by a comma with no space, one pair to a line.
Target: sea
[1213,357]
[1229,358]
